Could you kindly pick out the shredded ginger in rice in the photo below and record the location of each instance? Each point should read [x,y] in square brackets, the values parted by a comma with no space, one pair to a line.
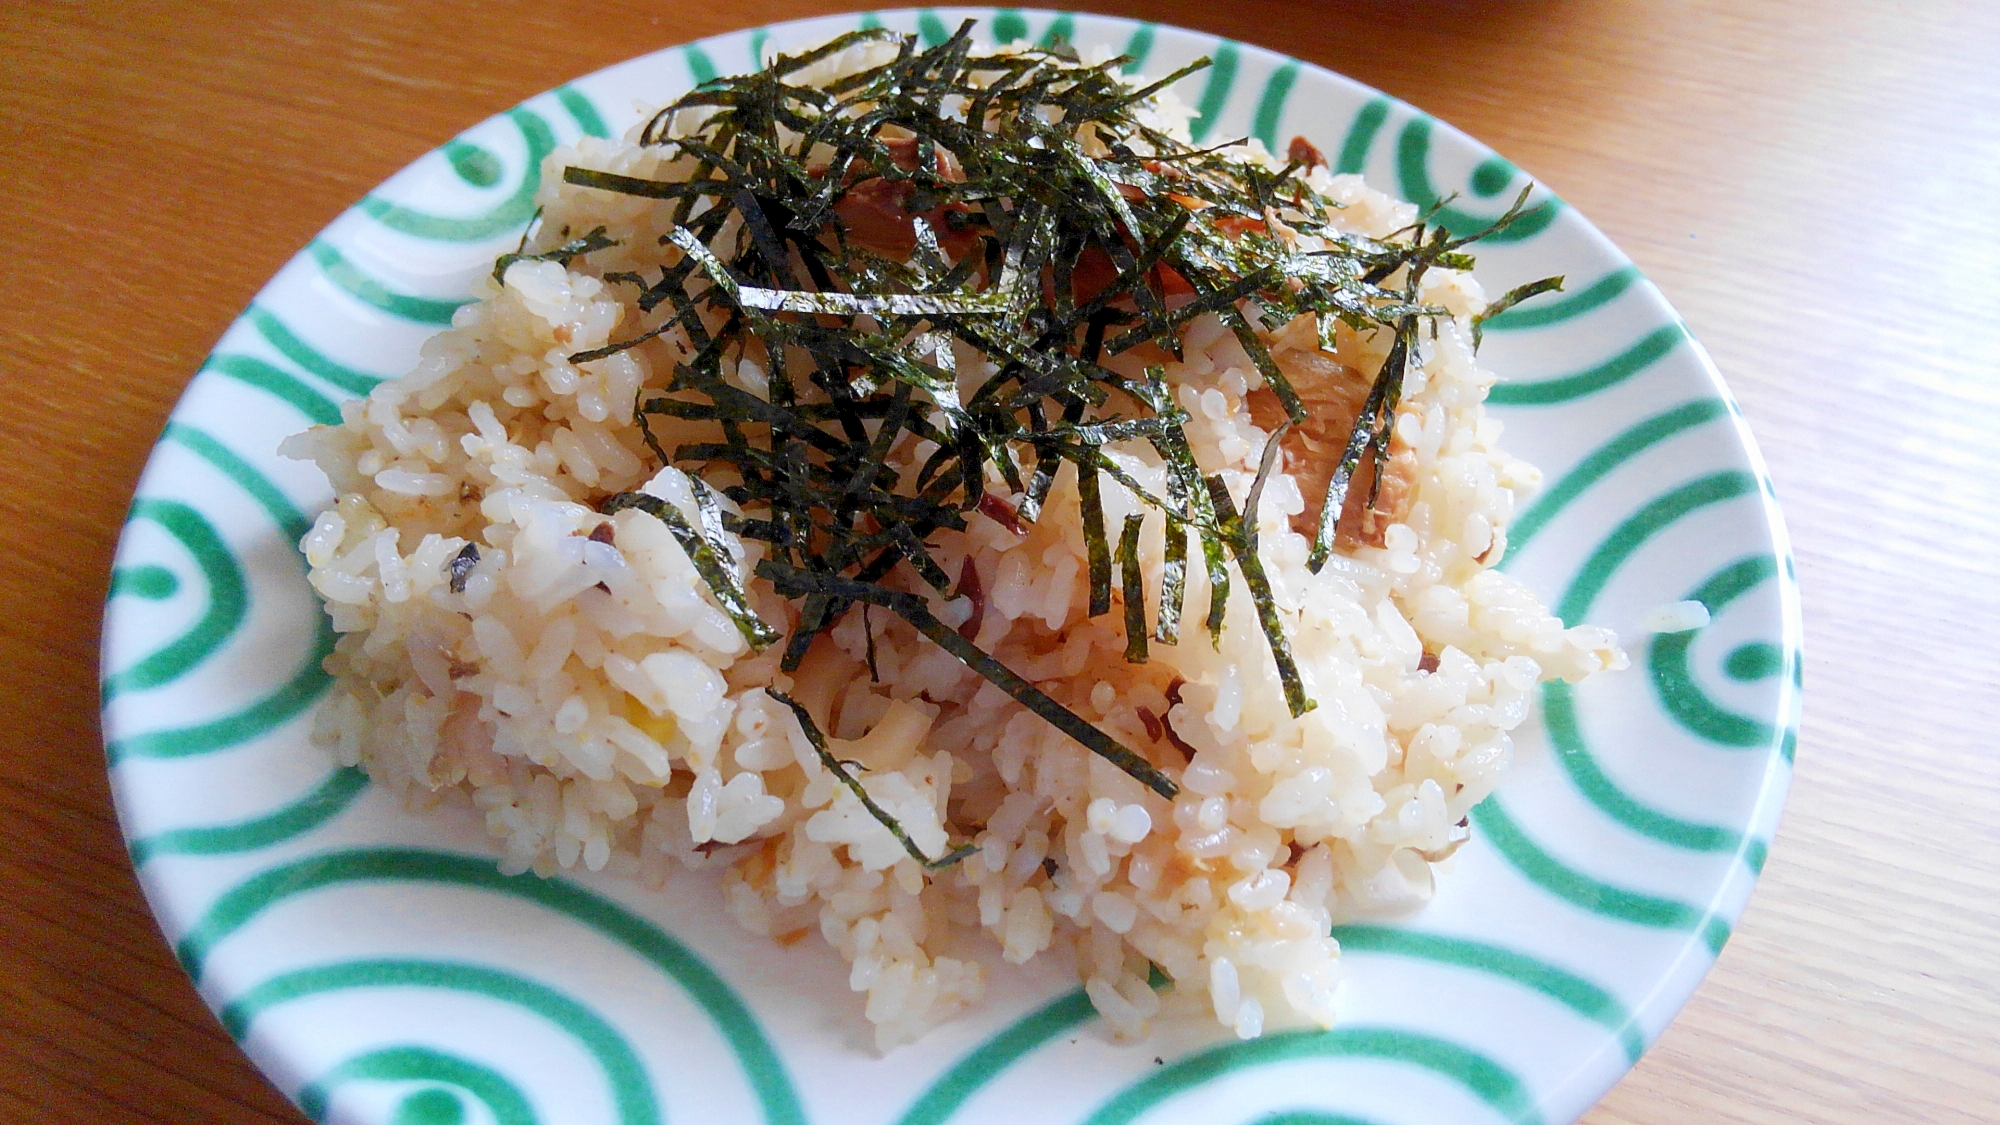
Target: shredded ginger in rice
[574,679]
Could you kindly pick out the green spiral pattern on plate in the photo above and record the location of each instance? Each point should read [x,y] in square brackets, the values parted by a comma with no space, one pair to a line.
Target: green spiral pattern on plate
[369,290]
[1008,25]
[435,1103]
[1559,715]
[1558,984]
[195,582]
[582,112]
[931,28]
[1668,660]
[1594,895]
[1311,1117]
[1644,353]
[327,800]
[1413,179]
[964,1078]
[1675,682]
[307,357]
[1062,1016]
[631,1087]
[479,168]
[700,68]
[1271,106]
[1555,310]
[237,907]
[228,598]
[1138,48]
[1360,138]
[275,380]
[1485,1079]
[1600,463]
[1215,90]
[154,583]
[258,716]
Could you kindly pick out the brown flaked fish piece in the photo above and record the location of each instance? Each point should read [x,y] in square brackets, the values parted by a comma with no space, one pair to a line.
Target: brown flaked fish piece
[1094,272]
[969,586]
[872,209]
[1333,394]
[1003,512]
[873,214]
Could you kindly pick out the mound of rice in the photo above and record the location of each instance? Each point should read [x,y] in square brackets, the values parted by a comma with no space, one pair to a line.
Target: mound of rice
[584,691]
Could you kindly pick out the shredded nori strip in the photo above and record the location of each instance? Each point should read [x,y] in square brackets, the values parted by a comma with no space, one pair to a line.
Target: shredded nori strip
[1134,588]
[1096,548]
[793,582]
[460,566]
[1006,239]
[564,254]
[707,562]
[1369,438]
[839,769]
[868,631]
[1511,298]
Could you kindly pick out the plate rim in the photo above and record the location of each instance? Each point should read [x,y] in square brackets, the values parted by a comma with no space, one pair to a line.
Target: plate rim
[1670,994]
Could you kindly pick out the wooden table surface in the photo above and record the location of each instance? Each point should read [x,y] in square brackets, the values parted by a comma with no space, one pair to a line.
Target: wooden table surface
[1816,186]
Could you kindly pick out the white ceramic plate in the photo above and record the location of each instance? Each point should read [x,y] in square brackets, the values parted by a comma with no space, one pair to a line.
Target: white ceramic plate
[379,970]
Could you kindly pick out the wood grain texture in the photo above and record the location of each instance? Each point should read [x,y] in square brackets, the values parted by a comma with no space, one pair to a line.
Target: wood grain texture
[1815,185]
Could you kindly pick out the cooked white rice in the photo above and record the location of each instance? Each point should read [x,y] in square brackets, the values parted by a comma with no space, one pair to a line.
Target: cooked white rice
[596,705]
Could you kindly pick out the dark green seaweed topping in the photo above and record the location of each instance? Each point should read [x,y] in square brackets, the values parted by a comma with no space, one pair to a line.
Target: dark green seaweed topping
[1370,438]
[839,769]
[1511,298]
[794,582]
[566,253]
[1135,588]
[1239,532]
[706,549]
[460,567]
[858,240]
[1097,549]
[1374,426]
